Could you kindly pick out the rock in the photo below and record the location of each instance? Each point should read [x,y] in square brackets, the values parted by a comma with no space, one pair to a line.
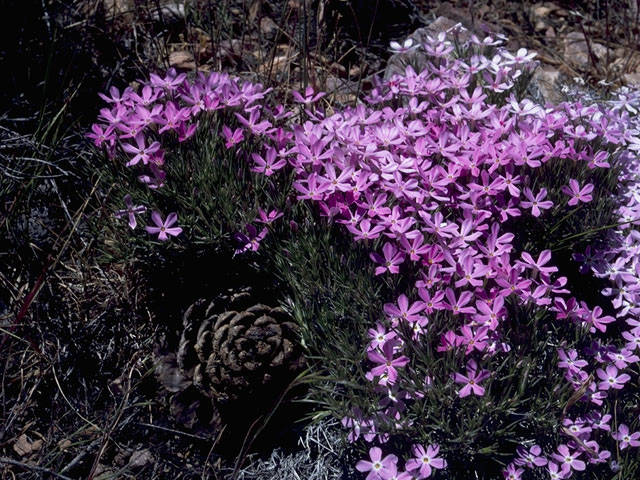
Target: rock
[140,458]
[546,79]
[631,78]
[182,60]
[542,11]
[23,445]
[576,49]
[268,27]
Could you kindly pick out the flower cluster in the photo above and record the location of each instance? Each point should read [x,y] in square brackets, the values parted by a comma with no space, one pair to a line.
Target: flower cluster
[437,182]
[140,124]
[444,173]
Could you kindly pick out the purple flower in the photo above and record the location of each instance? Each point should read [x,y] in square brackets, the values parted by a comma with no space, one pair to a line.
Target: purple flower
[578,194]
[251,240]
[387,365]
[389,261]
[625,438]
[536,203]
[531,458]
[471,380]
[568,460]
[425,460]
[269,218]
[130,211]
[163,227]
[232,137]
[379,468]
[309,96]
[611,379]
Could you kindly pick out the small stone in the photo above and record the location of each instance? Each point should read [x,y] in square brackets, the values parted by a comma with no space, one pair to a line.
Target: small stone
[23,446]
[541,11]
[64,444]
[182,60]
[631,78]
[140,458]
[268,27]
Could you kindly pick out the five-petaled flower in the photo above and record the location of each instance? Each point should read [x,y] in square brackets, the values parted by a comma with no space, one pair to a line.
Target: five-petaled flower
[425,460]
[130,211]
[471,380]
[377,466]
[163,227]
[578,194]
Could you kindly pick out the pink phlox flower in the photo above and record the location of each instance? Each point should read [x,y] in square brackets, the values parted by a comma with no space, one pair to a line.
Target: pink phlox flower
[414,246]
[379,468]
[524,108]
[250,241]
[390,259]
[309,96]
[471,271]
[171,80]
[568,460]
[404,311]
[611,379]
[521,56]
[512,472]
[448,341]
[425,460]
[157,180]
[102,134]
[140,151]
[232,137]
[311,188]
[530,458]
[512,283]
[407,46]
[431,302]
[186,130]
[579,428]
[172,117]
[253,124]
[114,116]
[554,471]
[458,305]
[570,361]
[471,380]
[147,96]
[164,227]
[600,421]
[356,424]
[474,339]
[130,211]
[339,181]
[625,438]
[267,165]
[594,453]
[490,314]
[379,336]
[387,364]
[597,320]
[268,218]
[365,230]
[623,358]
[538,265]
[374,204]
[115,97]
[578,194]
[536,203]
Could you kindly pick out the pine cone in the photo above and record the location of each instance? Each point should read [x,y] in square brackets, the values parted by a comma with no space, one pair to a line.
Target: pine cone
[238,352]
